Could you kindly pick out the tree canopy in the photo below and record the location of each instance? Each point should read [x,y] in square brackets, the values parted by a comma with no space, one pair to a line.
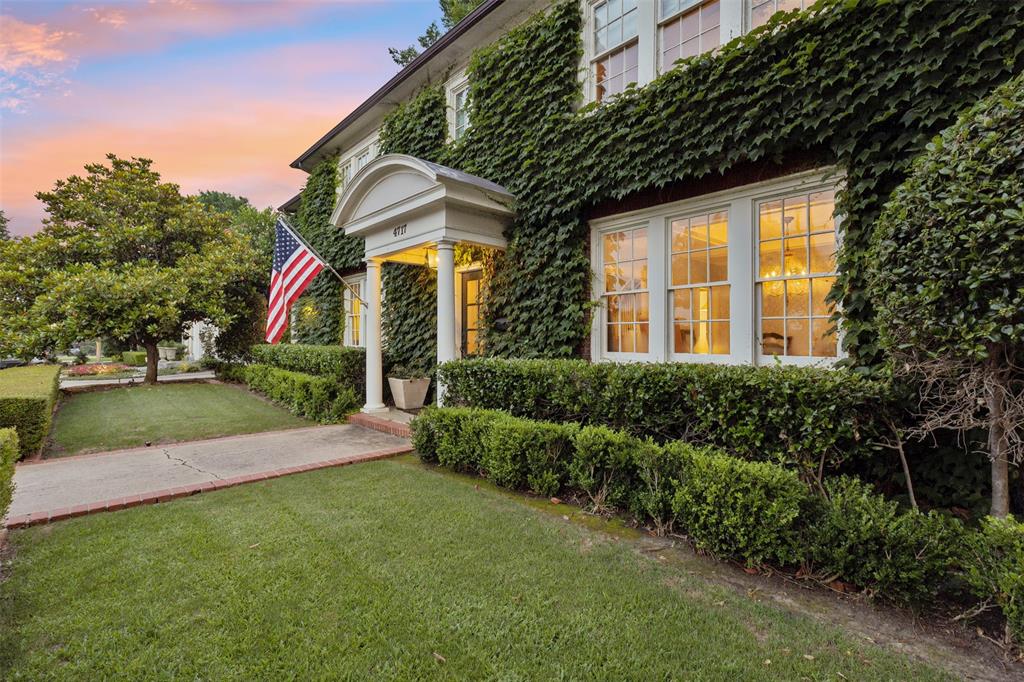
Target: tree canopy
[946,267]
[125,255]
[452,12]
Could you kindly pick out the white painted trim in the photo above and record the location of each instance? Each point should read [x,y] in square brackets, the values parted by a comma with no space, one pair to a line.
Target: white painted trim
[360,281]
[455,85]
[740,202]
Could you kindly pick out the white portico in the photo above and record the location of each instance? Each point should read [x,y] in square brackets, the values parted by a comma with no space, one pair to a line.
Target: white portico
[407,210]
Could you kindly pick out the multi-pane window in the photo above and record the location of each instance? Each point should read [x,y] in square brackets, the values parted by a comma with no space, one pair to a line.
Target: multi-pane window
[699,279]
[461,113]
[626,297]
[693,32]
[796,270]
[362,159]
[762,10]
[354,313]
[615,33]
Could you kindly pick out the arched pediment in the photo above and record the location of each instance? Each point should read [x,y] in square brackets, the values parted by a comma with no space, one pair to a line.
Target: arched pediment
[397,202]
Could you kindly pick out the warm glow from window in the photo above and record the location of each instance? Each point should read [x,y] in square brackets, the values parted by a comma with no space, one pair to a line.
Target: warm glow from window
[700,284]
[627,303]
[796,270]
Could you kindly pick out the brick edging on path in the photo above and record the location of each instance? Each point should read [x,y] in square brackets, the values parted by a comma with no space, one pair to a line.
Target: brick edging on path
[38,518]
[378,424]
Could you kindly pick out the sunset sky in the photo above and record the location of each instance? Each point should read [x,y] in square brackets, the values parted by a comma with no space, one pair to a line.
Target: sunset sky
[221,94]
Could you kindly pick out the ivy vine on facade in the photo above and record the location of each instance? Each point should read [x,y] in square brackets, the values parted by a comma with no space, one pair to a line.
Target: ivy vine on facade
[717,210]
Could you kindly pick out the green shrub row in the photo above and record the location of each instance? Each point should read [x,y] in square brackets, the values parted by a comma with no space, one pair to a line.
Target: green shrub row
[318,398]
[8,455]
[135,358]
[789,415]
[347,366]
[27,398]
[754,512]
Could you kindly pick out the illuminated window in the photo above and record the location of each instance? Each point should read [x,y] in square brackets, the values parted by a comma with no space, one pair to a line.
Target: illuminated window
[796,270]
[762,10]
[691,33]
[699,280]
[614,42]
[626,298]
[354,312]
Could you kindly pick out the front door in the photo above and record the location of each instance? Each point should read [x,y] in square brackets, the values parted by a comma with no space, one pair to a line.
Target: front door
[470,311]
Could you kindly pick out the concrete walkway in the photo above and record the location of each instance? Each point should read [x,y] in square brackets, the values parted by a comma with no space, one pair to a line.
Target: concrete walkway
[84,383]
[62,488]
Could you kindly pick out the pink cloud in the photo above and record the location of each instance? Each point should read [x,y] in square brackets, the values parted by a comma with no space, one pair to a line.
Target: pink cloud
[24,45]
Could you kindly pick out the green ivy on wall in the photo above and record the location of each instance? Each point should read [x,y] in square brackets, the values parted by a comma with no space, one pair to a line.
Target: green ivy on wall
[322,301]
[864,84]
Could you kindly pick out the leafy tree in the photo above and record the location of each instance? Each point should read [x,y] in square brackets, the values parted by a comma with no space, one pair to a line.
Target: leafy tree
[4,233]
[125,255]
[222,201]
[947,278]
[452,12]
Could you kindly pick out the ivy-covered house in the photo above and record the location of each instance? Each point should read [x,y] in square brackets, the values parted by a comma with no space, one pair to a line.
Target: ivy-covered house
[636,180]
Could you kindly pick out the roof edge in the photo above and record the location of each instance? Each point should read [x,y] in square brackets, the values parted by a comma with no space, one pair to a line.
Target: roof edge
[445,40]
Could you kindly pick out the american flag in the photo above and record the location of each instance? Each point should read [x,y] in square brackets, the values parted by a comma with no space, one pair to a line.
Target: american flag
[294,268]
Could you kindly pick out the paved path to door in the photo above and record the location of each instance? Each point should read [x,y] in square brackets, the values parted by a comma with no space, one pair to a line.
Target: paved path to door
[57,489]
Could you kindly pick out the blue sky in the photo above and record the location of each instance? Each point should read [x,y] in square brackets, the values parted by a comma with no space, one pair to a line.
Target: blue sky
[221,94]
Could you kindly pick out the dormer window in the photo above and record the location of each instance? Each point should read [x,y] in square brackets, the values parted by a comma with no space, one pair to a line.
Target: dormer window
[688,28]
[615,46]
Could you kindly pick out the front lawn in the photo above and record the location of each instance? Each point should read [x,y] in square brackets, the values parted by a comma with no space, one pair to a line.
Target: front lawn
[166,413]
[387,570]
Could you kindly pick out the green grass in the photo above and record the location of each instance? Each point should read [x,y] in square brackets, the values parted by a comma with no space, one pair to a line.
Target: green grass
[368,572]
[130,416]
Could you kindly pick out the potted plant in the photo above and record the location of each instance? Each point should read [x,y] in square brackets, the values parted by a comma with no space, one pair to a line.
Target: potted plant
[409,386]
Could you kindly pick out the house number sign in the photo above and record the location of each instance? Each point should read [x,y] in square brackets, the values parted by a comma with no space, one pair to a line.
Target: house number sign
[399,231]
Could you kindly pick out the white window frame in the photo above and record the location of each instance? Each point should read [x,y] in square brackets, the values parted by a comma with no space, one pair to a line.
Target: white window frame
[734,16]
[804,4]
[744,323]
[457,85]
[360,282]
[686,7]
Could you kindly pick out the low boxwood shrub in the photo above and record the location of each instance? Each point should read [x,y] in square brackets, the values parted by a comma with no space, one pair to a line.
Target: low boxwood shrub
[743,510]
[994,569]
[345,365]
[8,455]
[135,358]
[602,466]
[318,398]
[789,415]
[519,453]
[27,398]
[862,538]
[452,437]
[658,468]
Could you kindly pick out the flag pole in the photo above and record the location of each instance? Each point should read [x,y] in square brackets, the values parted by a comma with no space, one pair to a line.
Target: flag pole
[323,260]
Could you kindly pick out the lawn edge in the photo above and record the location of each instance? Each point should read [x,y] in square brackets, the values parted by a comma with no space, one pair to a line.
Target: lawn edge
[166,495]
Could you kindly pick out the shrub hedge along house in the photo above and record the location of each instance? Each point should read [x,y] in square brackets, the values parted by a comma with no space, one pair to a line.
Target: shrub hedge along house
[631,180]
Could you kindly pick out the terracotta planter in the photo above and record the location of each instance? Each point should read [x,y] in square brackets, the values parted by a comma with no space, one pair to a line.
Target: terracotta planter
[409,394]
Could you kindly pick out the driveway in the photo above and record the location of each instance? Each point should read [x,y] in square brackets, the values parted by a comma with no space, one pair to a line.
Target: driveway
[72,486]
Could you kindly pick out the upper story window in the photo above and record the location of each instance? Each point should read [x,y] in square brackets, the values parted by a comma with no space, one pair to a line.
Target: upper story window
[688,28]
[626,298]
[615,46]
[363,158]
[797,267]
[762,10]
[460,106]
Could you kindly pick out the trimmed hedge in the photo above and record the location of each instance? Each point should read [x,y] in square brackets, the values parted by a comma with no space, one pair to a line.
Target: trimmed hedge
[754,512]
[27,398]
[994,568]
[135,358]
[8,455]
[788,415]
[345,365]
[318,398]
[906,555]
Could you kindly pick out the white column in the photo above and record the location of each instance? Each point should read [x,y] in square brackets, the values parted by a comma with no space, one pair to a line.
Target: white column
[445,307]
[374,361]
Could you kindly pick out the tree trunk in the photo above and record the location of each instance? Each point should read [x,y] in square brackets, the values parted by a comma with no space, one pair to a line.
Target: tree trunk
[998,441]
[152,357]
